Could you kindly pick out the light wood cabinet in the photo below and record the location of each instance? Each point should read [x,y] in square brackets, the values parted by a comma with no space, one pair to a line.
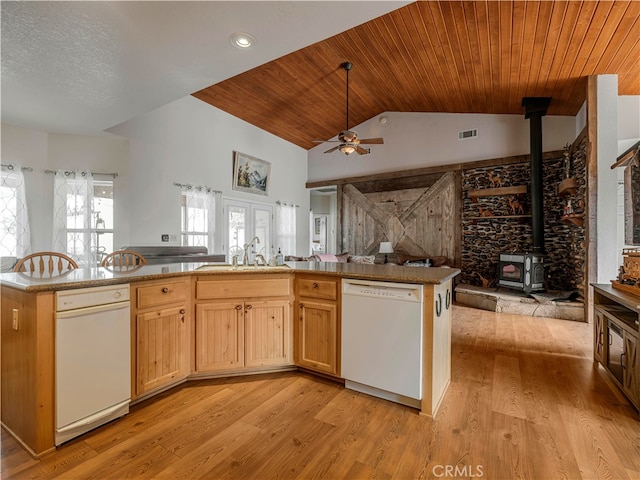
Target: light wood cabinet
[161,335]
[616,335]
[318,326]
[251,332]
[219,336]
[28,368]
[267,333]
[436,346]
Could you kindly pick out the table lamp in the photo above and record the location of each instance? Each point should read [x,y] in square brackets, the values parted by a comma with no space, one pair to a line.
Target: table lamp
[385,247]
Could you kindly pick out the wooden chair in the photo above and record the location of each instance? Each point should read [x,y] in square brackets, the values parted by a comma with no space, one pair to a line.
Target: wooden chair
[49,263]
[123,260]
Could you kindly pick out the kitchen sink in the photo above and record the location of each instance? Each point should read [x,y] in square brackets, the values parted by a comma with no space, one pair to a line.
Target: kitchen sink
[228,266]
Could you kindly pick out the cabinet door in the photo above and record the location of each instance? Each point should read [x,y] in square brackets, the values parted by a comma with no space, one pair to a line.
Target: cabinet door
[219,336]
[631,364]
[267,327]
[599,334]
[162,355]
[317,336]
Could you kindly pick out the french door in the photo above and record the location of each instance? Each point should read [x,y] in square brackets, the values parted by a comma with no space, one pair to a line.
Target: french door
[243,222]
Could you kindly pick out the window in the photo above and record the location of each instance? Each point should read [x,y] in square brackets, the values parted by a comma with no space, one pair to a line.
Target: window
[102,221]
[14,223]
[83,216]
[286,223]
[199,217]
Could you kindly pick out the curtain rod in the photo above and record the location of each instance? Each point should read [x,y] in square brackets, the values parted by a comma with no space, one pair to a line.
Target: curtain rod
[280,202]
[69,172]
[186,186]
[10,166]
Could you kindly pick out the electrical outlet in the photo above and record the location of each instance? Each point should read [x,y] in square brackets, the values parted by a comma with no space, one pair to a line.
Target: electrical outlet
[14,322]
[173,238]
[164,237]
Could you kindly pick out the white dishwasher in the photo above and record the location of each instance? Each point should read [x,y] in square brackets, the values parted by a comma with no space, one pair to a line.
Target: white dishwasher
[93,358]
[382,339]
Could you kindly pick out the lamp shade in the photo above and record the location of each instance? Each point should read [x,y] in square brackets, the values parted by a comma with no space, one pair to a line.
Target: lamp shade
[386,247]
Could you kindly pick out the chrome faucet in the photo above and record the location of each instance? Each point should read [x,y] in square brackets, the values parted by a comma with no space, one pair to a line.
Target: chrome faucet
[245,257]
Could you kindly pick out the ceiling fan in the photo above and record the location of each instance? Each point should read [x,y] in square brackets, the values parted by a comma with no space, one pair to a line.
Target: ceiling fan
[348,139]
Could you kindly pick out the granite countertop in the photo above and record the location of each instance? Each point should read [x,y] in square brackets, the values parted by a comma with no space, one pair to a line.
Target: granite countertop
[93,277]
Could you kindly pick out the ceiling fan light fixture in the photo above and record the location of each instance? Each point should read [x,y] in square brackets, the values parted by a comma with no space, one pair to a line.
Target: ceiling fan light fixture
[242,40]
[347,149]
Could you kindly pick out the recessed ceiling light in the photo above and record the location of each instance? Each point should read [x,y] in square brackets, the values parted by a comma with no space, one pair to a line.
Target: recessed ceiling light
[242,40]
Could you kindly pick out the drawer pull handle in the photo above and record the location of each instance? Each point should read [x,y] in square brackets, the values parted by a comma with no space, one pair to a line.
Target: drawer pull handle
[249,307]
[315,285]
[448,299]
[302,305]
[165,289]
[183,311]
[238,307]
[439,305]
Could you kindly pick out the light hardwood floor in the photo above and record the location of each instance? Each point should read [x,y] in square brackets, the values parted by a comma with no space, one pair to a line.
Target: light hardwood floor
[525,402]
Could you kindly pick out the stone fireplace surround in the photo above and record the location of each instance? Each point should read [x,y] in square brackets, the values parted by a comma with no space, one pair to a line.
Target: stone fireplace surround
[485,236]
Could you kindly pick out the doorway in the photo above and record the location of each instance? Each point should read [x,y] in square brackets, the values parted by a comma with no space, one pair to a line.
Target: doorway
[243,222]
[322,220]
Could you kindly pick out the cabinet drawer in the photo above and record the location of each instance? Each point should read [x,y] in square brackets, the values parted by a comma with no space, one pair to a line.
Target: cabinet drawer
[245,288]
[327,289]
[161,294]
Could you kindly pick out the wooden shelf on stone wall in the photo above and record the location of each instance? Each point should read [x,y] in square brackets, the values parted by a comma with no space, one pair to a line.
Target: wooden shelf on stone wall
[497,192]
[567,187]
[497,217]
[575,218]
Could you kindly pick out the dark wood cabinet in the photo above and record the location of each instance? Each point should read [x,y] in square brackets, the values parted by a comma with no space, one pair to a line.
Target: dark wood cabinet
[616,338]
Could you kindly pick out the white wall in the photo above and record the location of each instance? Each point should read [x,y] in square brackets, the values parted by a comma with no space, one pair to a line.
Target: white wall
[415,140]
[606,105]
[189,141]
[628,121]
[581,118]
[186,141]
[42,151]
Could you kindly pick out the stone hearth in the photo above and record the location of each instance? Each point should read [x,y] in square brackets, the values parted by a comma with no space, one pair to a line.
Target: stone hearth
[509,301]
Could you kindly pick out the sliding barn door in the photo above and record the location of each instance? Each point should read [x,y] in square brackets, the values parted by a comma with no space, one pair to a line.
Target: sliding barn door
[417,221]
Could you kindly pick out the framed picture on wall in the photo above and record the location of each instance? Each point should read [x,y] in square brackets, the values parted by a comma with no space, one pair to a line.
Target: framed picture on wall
[250,174]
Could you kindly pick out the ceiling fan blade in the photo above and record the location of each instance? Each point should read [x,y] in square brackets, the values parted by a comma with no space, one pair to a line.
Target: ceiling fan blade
[362,151]
[325,141]
[371,141]
[333,149]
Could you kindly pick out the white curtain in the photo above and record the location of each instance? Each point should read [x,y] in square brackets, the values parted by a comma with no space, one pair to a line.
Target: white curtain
[15,236]
[72,216]
[199,226]
[286,228]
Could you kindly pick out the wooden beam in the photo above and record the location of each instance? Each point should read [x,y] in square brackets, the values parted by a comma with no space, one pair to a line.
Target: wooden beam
[431,170]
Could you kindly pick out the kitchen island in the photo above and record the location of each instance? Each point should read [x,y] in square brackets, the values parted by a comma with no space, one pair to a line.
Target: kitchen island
[193,320]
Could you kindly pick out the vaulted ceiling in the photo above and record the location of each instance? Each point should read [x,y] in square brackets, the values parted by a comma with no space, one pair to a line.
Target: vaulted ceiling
[440,56]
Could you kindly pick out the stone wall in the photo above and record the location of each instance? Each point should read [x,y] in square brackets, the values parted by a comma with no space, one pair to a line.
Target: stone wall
[492,226]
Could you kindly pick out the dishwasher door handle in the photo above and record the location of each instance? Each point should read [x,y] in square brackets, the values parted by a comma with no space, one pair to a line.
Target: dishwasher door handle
[96,309]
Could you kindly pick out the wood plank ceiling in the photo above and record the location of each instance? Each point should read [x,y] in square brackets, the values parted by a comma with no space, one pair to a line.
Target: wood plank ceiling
[440,56]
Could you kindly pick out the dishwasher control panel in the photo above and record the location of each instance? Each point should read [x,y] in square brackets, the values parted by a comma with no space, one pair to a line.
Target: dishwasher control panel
[91,297]
[387,290]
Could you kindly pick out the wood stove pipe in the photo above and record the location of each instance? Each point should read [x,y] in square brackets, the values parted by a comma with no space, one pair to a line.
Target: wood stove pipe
[535,109]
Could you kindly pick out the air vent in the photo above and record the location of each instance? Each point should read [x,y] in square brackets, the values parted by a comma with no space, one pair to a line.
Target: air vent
[464,134]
